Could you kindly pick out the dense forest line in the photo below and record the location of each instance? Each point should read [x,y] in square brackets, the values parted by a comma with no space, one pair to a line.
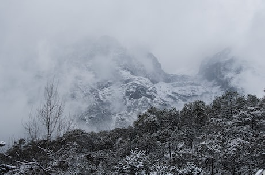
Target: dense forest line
[225,137]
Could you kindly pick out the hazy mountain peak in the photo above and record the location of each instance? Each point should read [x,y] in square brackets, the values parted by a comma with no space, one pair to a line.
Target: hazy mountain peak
[221,68]
[106,85]
[125,83]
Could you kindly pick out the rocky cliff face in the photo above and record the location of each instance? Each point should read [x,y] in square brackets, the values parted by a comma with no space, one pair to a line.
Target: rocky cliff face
[221,69]
[109,85]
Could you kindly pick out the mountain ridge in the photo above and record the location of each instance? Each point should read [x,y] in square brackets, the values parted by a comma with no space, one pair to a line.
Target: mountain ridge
[114,86]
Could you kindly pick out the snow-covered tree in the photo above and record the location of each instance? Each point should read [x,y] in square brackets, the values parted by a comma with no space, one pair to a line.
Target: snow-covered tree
[135,163]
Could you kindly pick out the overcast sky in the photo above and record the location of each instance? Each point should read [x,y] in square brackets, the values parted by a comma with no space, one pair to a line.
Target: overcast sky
[180,33]
[175,31]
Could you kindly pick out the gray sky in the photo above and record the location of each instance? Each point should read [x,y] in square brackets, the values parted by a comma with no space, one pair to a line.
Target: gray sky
[175,31]
[180,33]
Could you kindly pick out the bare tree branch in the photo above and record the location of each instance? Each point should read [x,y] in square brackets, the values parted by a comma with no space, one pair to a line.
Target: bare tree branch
[49,115]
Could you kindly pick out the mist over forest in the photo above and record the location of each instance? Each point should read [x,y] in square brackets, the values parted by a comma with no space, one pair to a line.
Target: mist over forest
[112,62]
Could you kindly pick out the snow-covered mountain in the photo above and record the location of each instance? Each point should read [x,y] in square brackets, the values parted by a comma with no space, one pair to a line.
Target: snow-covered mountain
[109,85]
[222,69]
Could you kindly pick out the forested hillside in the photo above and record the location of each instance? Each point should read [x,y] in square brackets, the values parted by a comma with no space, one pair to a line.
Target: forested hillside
[225,137]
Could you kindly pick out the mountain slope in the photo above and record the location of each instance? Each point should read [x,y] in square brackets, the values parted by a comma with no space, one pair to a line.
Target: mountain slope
[198,139]
[109,85]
